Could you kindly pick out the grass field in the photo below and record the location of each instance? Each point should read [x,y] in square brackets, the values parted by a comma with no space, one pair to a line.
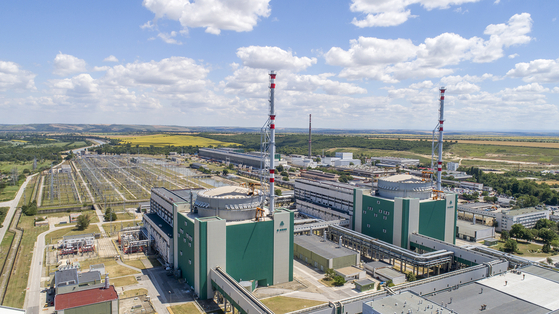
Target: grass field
[187,308]
[5,247]
[132,293]
[123,281]
[516,153]
[135,263]
[511,143]
[285,305]
[525,249]
[58,234]
[159,140]
[116,226]
[15,293]
[6,166]
[10,191]
[28,193]
[111,267]
[3,213]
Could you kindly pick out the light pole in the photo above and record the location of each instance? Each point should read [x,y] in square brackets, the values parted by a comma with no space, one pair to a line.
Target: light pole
[169,298]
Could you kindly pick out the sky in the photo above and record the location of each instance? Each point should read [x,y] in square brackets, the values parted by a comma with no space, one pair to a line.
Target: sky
[352,64]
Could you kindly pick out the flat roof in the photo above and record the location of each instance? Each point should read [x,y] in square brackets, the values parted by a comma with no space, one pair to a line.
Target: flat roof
[543,272]
[527,287]
[405,301]
[325,249]
[162,224]
[173,196]
[65,277]
[468,299]
[476,205]
[228,191]
[389,273]
[349,271]
[468,226]
[403,178]
[522,211]
[84,297]
[10,310]
[364,282]
[89,276]
[378,264]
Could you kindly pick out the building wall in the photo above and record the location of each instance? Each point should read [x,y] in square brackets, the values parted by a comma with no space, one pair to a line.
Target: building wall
[377,218]
[314,259]
[345,261]
[283,247]
[103,307]
[185,246]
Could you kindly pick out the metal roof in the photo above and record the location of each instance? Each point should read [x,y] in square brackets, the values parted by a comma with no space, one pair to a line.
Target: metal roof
[66,277]
[160,223]
[93,275]
[325,249]
[389,273]
[84,297]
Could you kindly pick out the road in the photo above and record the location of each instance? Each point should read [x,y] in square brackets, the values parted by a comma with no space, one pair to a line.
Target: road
[32,302]
[12,205]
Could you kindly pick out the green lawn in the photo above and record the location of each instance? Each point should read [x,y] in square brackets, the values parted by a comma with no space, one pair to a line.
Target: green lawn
[6,166]
[10,191]
[187,308]
[28,193]
[3,213]
[518,153]
[116,226]
[282,305]
[135,263]
[5,247]
[15,293]
[58,234]
[525,249]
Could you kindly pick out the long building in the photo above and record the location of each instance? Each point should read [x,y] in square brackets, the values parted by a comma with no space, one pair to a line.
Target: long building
[231,155]
[324,199]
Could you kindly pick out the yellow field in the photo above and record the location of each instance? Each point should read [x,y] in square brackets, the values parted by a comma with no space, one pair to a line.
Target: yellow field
[500,143]
[159,140]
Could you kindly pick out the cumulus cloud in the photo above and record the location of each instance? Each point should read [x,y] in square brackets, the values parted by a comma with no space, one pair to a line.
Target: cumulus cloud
[394,12]
[79,85]
[65,65]
[272,58]
[529,88]
[169,38]
[540,71]
[392,60]
[13,77]
[110,58]
[214,15]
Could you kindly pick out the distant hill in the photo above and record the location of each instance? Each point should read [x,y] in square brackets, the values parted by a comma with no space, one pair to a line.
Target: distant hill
[135,128]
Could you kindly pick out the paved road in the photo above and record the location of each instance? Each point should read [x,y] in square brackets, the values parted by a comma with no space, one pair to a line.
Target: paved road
[32,302]
[12,204]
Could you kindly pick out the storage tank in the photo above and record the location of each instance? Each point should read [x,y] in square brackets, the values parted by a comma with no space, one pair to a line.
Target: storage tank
[404,185]
[228,202]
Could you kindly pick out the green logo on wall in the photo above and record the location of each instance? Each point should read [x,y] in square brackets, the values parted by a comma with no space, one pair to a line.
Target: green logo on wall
[281,224]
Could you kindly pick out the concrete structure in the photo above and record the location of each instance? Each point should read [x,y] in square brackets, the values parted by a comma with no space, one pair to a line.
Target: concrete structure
[92,301]
[473,232]
[160,223]
[396,161]
[342,159]
[372,267]
[524,216]
[394,220]
[231,155]
[452,166]
[303,162]
[249,250]
[323,199]
[323,254]
[350,273]
[404,185]
[364,285]
[70,280]
[228,202]
[389,274]
[319,175]
[197,165]
[403,303]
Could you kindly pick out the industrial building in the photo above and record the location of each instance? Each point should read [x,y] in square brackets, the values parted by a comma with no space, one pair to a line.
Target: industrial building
[473,232]
[395,161]
[235,156]
[322,254]
[452,166]
[71,280]
[159,223]
[319,175]
[524,216]
[324,199]
[98,300]
[341,160]
[402,207]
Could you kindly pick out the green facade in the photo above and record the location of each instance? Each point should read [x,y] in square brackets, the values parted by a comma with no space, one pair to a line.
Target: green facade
[432,217]
[378,218]
[250,249]
[104,307]
[186,246]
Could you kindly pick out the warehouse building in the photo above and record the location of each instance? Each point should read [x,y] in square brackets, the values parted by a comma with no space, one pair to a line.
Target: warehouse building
[474,232]
[231,155]
[395,161]
[404,206]
[323,254]
[98,300]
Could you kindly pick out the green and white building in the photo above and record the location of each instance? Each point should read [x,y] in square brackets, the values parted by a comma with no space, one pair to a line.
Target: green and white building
[403,206]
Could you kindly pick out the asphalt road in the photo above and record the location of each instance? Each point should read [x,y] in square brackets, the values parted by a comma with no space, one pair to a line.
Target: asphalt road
[12,204]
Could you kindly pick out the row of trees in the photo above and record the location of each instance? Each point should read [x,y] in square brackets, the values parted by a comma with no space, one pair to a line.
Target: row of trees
[545,231]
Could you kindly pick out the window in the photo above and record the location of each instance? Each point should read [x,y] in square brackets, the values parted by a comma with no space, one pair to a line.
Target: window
[378,202]
[368,226]
[375,215]
[189,262]
[189,244]
[181,253]
[185,223]
[383,230]
[364,212]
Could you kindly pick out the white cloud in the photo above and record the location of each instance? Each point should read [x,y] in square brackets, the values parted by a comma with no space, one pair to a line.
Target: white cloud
[169,38]
[214,15]
[272,58]
[392,60]
[101,69]
[394,12]
[540,70]
[514,55]
[530,88]
[110,58]
[13,77]
[65,65]
[79,85]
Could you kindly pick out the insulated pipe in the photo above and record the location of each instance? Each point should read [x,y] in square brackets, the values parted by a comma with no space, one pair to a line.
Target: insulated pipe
[272,146]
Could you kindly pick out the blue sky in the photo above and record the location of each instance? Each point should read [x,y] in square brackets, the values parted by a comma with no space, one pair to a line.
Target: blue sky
[367,64]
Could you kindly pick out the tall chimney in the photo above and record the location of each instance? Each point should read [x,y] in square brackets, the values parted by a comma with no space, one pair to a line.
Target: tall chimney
[441,121]
[310,132]
[272,144]
[107,281]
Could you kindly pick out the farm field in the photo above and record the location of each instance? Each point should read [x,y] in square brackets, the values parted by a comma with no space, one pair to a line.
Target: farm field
[6,166]
[514,153]
[159,140]
[511,143]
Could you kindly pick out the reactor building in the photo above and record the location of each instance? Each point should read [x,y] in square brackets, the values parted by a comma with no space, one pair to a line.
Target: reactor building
[403,205]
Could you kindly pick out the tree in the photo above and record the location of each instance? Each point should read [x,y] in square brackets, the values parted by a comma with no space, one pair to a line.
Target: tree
[284,173]
[411,276]
[547,235]
[277,192]
[545,223]
[339,280]
[231,167]
[517,231]
[505,235]
[280,168]
[330,273]
[31,209]
[511,245]
[484,193]
[83,221]
[549,260]
[285,178]
[546,248]
[110,215]
[225,172]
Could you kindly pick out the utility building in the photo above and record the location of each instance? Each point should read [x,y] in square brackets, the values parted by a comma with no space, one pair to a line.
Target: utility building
[402,207]
[323,254]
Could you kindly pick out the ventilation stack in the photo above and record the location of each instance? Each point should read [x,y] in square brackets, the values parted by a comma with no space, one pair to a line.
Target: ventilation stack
[106,281]
[441,120]
[272,146]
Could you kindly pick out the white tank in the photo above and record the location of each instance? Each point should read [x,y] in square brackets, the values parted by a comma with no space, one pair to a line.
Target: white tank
[228,202]
[404,185]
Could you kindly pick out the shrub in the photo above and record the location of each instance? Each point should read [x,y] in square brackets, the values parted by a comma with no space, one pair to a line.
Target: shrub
[83,221]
